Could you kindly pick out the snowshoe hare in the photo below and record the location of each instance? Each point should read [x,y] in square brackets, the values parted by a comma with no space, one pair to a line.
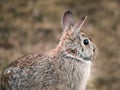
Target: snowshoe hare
[67,67]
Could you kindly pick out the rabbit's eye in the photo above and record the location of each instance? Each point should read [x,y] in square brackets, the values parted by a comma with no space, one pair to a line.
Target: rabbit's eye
[86,42]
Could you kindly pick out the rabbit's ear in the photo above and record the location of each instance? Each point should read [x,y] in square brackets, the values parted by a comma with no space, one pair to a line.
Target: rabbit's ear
[79,24]
[67,20]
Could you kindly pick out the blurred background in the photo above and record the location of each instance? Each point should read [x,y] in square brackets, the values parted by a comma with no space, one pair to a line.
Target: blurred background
[35,25]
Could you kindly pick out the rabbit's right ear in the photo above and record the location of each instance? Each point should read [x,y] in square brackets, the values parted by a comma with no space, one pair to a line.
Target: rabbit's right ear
[67,20]
[79,24]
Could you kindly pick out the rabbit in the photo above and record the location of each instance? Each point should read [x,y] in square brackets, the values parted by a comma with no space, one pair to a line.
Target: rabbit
[67,67]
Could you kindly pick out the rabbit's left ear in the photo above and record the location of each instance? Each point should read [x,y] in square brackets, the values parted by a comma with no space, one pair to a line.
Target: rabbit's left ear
[67,20]
[77,26]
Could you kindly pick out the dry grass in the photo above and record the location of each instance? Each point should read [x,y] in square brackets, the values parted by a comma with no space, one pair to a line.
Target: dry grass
[31,25]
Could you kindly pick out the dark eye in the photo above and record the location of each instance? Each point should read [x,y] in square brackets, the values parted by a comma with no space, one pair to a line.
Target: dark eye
[86,42]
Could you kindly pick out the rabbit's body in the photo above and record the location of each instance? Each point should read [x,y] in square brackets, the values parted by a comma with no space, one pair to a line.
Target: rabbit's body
[45,72]
[66,67]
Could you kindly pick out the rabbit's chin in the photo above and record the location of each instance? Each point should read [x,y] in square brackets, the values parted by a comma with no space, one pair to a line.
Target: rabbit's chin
[78,58]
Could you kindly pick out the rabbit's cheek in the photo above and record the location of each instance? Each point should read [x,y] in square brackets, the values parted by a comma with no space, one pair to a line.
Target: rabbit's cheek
[87,52]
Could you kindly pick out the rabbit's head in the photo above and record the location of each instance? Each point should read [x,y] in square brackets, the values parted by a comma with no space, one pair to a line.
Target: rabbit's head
[75,43]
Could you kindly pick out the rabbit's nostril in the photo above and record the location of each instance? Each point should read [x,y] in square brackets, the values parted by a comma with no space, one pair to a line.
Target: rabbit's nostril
[94,50]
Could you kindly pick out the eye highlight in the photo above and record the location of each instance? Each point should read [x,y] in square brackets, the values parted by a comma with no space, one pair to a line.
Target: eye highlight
[86,41]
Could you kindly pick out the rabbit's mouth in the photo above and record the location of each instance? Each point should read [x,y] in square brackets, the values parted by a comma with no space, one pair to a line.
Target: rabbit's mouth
[79,57]
[87,58]
[84,58]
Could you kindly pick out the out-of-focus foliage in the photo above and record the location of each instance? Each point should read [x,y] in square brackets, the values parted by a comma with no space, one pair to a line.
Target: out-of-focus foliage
[34,25]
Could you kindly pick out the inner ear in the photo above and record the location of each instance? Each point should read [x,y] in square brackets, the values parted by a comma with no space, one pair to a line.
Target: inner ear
[67,20]
[79,24]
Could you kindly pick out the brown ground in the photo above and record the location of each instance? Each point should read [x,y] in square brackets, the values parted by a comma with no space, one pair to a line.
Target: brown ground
[32,25]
